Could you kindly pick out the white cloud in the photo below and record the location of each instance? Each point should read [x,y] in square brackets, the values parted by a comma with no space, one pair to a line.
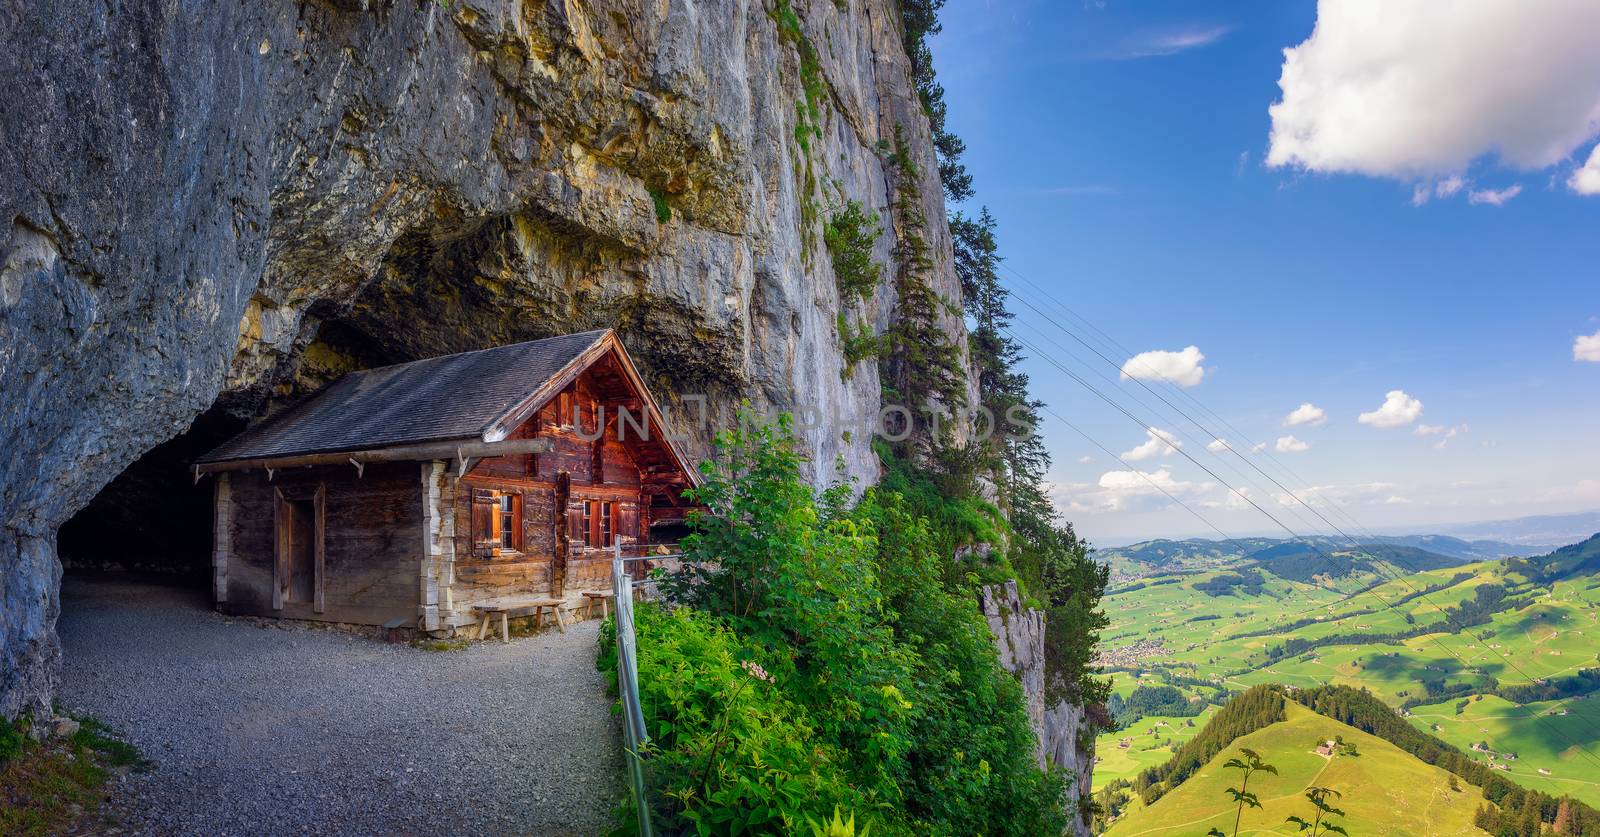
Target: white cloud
[1397,500]
[1182,368]
[1586,179]
[1398,410]
[1154,43]
[1338,495]
[1130,490]
[1445,434]
[1259,447]
[1494,197]
[1217,445]
[1140,481]
[1289,444]
[1396,88]
[1233,500]
[1587,348]
[1158,442]
[1445,188]
[1085,459]
[1307,413]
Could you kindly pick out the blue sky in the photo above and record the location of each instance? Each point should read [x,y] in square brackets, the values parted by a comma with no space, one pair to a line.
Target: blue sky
[1431,236]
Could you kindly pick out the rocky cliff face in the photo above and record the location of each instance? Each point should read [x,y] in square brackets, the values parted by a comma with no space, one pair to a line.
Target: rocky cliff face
[214,205]
[1019,634]
[207,208]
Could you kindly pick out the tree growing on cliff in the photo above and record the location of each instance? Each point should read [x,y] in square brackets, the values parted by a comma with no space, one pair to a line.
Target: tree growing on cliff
[922,366]
[918,20]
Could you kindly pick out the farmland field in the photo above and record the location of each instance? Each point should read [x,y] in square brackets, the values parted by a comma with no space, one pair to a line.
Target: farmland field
[1385,790]
[1503,624]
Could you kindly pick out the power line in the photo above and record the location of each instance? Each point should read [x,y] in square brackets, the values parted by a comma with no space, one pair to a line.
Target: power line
[1120,408]
[1393,554]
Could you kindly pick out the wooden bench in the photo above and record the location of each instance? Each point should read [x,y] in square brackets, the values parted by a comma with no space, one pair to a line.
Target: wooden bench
[507,610]
[603,596]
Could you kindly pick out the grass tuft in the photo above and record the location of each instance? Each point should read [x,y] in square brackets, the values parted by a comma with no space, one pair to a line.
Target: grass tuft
[48,787]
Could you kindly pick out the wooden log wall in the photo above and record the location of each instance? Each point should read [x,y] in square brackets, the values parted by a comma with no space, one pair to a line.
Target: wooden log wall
[371,536]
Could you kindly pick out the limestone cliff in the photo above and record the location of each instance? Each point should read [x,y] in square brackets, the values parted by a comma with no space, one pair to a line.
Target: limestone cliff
[219,203]
[209,207]
[1019,633]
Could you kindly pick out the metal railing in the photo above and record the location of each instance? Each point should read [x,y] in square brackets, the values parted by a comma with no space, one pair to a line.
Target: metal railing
[633,729]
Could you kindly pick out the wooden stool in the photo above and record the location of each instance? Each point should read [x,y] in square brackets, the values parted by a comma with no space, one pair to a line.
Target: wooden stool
[602,596]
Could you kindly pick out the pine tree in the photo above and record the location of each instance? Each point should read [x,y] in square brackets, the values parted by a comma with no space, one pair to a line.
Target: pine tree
[922,367]
[918,20]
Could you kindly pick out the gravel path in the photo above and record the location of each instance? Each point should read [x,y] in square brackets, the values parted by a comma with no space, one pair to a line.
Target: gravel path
[261,726]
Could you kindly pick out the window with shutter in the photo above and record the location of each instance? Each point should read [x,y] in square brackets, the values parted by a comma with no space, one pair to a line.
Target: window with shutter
[487,521]
[607,524]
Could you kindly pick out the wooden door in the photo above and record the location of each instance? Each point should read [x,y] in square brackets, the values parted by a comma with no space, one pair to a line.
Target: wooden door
[302,552]
[299,565]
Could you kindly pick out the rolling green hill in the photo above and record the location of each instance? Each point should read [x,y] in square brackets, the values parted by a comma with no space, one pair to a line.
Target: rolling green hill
[1490,633]
[1386,790]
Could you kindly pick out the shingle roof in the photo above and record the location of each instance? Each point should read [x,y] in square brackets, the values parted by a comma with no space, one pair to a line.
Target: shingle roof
[449,397]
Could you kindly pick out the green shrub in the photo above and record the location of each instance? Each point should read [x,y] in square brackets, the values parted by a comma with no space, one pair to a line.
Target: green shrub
[728,752]
[794,576]
[972,761]
[663,209]
[11,738]
[859,344]
[887,674]
[849,234]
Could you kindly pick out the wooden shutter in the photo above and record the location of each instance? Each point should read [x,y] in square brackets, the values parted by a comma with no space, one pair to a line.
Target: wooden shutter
[516,521]
[485,520]
[575,529]
[628,522]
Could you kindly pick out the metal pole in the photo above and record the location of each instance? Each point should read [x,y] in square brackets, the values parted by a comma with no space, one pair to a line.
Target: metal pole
[633,729]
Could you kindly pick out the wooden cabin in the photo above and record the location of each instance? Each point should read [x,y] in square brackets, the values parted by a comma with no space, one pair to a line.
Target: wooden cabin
[420,491]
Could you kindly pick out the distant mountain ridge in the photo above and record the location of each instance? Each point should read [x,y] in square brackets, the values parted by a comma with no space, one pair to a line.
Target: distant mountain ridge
[1418,552]
[1531,534]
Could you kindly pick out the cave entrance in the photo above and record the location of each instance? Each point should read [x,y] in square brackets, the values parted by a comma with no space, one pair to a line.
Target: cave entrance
[152,519]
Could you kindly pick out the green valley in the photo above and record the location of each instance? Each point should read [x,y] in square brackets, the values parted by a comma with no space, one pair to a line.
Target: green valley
[1494,658]
[1385,790]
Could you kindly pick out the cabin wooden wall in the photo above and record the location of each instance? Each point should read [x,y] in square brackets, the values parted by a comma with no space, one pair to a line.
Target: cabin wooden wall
[372,542]
[600,468]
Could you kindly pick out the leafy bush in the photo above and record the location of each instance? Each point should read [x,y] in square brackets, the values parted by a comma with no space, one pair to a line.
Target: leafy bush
[728,751]
[972,761]
[663,209]
[794,577]
[888,675]
[859,344]
[11,739]
[849,235]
